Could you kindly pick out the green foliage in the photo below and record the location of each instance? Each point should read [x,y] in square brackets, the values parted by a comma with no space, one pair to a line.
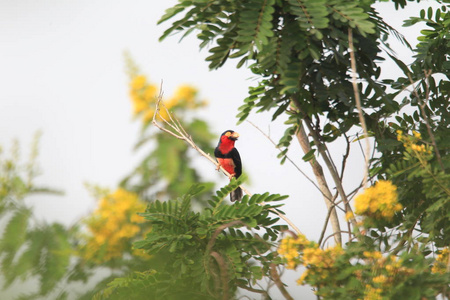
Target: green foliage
[168,164]
[422,177]
[206,254]
[299,49]
[28,249]
[432,50]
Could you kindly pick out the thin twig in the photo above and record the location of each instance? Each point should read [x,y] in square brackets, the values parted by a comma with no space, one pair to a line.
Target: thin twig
[325,225]
[345,157]
[334,233]
[289,159]
[359,107]
[253,290]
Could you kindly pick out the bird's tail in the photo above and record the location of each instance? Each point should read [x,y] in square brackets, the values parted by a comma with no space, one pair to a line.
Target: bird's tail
[236,195]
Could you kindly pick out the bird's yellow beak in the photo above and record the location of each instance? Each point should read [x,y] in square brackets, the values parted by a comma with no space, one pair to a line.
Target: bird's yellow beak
[234,135]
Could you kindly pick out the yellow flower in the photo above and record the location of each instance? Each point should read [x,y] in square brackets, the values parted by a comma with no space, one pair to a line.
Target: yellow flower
[290,249]
[138,82]
[440,265]
[373,254]
[372,293]
[112,226]
[302,278]
[185,93]
[349,215]
[378,201]
[380,279]
[144,97]
[150,93]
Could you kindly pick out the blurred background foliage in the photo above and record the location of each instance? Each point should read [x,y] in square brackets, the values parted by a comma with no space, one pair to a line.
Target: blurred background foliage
[166,171]
[60,257]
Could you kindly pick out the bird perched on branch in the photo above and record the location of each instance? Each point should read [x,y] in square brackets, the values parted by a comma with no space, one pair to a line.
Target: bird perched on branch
[229,158]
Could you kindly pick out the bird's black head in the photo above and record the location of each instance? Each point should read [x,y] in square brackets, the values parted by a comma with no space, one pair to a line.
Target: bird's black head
[232,135]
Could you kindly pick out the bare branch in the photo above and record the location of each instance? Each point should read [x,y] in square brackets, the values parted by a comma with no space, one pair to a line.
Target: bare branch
[359,107]
[345,157]
[253,290]
[334,233]
[330,211]
[321,180]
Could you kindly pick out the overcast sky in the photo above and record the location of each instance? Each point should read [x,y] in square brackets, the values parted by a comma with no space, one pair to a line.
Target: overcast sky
[62,72]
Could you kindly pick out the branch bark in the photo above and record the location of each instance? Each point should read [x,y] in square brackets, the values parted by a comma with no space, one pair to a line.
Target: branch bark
[279,284]
[322,182]
[359,107]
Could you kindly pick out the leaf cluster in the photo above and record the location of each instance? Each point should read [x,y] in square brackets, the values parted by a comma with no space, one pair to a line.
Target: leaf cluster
[206,254]
[422,178]
[300,51]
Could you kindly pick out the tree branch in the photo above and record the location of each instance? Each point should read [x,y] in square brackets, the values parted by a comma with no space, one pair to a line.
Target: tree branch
[359,107]
[321,147]
[223,274]
[321,180]
[278,282]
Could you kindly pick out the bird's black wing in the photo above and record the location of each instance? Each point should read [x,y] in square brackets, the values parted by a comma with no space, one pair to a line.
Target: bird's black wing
[234,155]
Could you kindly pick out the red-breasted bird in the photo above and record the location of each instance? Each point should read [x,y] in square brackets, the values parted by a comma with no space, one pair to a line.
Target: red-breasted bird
[229,158]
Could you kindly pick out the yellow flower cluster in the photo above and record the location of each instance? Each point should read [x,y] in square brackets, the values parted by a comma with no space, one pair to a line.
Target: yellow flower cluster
[320,263]
[378,201]
[387,270]
[113,226]
[372,293]
[410,142]
[290,249]
[144,96]
[300,250]
[440,265]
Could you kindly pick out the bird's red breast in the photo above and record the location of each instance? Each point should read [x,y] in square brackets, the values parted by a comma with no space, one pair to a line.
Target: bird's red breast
[228,165]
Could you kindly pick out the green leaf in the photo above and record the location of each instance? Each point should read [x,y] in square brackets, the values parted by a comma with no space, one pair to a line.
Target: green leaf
[15,232]
[310,155]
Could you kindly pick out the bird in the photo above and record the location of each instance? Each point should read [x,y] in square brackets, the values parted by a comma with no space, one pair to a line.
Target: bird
[228,157]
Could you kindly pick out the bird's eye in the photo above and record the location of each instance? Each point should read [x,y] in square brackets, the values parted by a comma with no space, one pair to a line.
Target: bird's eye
[227,133]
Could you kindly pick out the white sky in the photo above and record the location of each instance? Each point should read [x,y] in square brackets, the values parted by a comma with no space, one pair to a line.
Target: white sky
[62,72]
